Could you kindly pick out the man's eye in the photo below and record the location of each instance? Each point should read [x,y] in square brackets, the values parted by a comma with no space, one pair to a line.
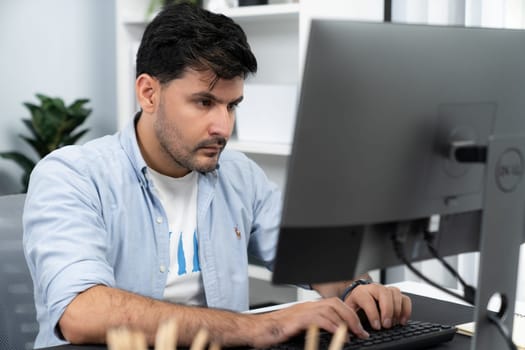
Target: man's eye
[205,103]
[233,106]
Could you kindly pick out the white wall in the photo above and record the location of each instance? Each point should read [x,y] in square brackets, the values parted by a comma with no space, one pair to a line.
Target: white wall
[61,48]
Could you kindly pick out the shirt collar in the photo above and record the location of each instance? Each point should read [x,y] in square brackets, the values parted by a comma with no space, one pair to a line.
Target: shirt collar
[129,142]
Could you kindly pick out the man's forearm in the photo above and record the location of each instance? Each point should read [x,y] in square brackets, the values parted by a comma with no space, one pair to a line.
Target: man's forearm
[93,312]
[88,317]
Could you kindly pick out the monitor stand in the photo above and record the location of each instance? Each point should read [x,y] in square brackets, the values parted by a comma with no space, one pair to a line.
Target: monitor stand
[502,232]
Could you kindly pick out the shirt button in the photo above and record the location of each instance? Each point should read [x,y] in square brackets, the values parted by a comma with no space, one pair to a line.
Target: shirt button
[162,268]
[159,220]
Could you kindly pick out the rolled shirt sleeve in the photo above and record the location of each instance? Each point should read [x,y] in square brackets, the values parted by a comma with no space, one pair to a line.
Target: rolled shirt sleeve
[64,237]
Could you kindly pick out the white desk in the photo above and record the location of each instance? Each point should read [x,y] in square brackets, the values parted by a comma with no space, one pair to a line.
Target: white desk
[417,288]
[432,292]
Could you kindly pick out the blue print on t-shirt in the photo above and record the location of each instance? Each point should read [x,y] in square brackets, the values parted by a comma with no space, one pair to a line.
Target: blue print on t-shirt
[181,258]
[196,265]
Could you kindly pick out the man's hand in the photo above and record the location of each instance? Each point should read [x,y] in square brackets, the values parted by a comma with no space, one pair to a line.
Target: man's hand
[384,306]
[328,314]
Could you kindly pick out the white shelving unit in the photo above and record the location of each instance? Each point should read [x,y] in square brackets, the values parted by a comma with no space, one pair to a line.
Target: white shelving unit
[285,11]
[277,34]
[277,149]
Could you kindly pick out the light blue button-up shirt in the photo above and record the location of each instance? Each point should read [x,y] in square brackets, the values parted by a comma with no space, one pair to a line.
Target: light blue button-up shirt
[91,217]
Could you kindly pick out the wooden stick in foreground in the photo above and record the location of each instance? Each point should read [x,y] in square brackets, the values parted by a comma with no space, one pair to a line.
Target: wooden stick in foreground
[139,340]
[214,346]
[312,338]
[339,338]
[200,340]
[125,339]
[112,339]
[166,337]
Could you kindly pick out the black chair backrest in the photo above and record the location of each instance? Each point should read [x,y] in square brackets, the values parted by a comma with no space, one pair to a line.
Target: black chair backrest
[18,326]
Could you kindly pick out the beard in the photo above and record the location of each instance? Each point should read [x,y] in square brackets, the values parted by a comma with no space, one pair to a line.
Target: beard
[191,157]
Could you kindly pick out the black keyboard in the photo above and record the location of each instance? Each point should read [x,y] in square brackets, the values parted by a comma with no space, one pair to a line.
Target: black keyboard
[414,335]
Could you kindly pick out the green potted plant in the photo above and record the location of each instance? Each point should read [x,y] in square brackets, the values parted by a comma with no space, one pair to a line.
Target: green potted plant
[52,125]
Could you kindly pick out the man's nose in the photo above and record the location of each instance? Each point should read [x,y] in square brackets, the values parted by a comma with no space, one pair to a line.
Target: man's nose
[222,120]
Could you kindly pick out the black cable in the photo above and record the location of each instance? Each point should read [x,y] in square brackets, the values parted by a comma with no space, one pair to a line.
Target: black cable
[469,292]
[398,248]
[502,329]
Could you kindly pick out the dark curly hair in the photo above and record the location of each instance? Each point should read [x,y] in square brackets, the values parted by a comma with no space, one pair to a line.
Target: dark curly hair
[184,36]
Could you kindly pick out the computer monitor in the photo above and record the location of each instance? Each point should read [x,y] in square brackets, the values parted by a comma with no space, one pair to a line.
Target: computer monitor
[397,124]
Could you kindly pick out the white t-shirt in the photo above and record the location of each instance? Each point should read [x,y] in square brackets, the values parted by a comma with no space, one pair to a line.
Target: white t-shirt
[179,199]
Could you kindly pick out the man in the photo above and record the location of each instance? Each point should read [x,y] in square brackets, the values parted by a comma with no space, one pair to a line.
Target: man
[148,224]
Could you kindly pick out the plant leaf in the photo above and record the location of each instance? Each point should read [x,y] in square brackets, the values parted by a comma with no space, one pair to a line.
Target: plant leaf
[152,7]
[29,125]
[39,147]
[23,161]
[37,119]
[77,104]
[74,138]
[25,181]
[51,126]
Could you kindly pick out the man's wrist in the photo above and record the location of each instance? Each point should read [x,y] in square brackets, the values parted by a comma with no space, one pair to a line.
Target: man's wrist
[359,282]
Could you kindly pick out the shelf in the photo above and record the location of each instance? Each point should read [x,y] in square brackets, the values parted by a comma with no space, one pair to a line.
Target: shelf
[278,149]
[263,12]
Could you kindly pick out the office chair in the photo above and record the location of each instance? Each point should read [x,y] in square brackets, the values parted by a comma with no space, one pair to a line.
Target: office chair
[18,326]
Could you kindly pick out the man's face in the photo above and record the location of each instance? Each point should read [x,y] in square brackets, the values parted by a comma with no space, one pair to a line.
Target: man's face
[194,121]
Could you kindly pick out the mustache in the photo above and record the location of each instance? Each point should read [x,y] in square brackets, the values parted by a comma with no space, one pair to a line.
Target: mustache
[216,141]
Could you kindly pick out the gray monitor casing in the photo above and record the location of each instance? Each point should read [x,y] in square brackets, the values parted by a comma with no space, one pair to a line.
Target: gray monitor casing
[380,104]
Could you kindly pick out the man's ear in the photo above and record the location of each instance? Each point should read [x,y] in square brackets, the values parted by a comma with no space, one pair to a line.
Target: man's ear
[147,90]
